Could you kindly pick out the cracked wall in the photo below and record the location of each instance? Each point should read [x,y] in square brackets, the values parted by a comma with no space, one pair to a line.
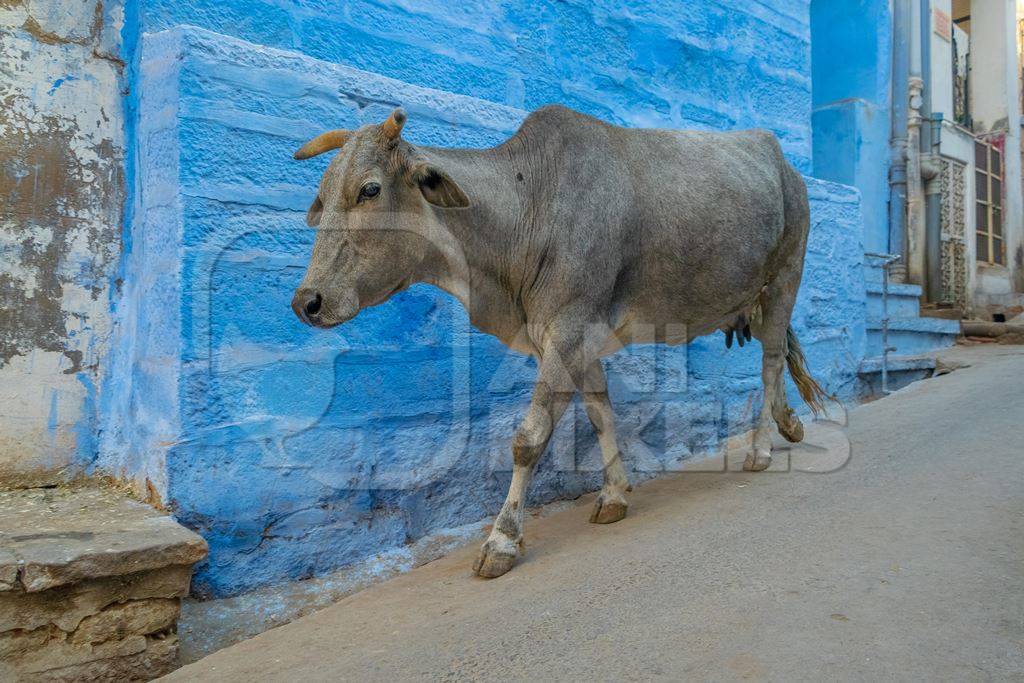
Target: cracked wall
[62,192]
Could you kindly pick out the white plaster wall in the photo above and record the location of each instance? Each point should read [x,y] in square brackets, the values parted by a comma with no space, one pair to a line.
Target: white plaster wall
[1015,151]
[61,157]
[996,112]
[993,55]
[1014,199]
[957,143]
[941,65]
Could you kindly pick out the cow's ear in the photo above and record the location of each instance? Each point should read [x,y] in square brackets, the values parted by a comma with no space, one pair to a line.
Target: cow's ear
[438,188]
[316,210]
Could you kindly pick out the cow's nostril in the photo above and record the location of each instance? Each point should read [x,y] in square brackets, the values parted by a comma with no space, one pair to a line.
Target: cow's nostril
[312,306]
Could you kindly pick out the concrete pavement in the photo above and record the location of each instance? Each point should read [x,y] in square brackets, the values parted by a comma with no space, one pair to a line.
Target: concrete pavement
[906,564]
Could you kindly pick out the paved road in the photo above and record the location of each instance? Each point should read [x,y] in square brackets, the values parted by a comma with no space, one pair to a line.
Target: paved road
[907,564]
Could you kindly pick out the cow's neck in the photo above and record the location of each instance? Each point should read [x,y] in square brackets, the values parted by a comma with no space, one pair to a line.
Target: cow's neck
[481,244]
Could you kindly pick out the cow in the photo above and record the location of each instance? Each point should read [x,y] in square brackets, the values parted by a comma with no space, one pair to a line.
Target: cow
[568,241]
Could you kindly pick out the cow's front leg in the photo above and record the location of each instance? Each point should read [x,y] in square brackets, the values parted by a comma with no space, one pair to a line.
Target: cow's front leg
[553,392]
[610,505]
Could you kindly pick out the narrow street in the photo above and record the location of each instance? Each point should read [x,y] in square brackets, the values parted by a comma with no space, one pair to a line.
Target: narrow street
[906,564]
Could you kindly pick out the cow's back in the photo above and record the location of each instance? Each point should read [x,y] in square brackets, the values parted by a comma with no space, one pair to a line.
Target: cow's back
[670,227]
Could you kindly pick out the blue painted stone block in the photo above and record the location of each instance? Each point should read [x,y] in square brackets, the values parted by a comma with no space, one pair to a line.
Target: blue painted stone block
[852,64]
[296,451]
[851,146]
[912,336]
[903,301]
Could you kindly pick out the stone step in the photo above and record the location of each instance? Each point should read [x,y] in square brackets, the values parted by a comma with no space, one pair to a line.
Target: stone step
[895,289]
[872,365]
[911,336]
[901,370]
[949,313]
[904,300]
[872,271]
[90,585]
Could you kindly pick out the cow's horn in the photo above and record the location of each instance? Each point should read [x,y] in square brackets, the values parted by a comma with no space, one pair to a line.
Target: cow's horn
[392,128]
[325,142]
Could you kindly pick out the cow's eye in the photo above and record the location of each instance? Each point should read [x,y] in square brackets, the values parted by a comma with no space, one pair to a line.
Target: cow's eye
[369,191]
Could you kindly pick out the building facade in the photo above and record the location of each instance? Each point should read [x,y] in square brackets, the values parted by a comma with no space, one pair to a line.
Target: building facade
[919,108]
[166,255]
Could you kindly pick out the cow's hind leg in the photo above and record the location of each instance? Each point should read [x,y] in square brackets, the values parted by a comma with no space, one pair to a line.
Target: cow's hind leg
[773,356]
[610,505]
[786,420]
[771,330]
[780,346]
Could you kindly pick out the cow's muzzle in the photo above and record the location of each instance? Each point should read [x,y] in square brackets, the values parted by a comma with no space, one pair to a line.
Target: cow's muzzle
[307,304]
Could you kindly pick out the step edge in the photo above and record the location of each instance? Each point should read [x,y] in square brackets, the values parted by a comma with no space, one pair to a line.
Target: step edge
[872,365]
[918,324]
[895,289]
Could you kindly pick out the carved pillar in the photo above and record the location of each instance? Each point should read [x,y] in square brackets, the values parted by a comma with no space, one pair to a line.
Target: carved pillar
[912,266]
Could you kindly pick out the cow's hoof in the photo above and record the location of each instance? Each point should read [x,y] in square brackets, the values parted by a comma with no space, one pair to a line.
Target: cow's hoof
[607,511]
[493,560]
[757,461]
[792,430]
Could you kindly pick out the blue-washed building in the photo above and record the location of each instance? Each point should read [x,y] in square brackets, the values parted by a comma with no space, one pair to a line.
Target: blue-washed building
[168,237]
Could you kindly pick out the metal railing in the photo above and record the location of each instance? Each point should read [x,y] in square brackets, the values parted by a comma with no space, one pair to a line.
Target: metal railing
[887,260]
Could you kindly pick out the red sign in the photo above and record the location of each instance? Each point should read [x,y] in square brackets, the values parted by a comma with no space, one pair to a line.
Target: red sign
[942,24]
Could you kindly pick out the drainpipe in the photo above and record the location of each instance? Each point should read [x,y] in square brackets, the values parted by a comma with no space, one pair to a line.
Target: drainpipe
[929,258]
[898,135]
[933,214]
[914,230]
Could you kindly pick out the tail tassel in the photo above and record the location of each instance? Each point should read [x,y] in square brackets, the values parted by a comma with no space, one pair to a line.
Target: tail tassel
[810,391]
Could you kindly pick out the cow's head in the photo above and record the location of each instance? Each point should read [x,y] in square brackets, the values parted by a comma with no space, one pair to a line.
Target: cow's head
[376,203]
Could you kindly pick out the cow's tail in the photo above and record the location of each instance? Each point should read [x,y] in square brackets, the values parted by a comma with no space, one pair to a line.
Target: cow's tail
[810,391]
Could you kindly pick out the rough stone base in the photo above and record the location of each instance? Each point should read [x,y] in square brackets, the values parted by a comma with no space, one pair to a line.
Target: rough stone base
[136,658]
[90,586]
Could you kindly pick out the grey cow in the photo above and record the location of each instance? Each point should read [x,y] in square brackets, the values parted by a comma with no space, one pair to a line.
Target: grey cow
[567,241]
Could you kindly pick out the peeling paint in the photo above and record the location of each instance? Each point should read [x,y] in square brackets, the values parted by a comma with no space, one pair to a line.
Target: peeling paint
[62,186]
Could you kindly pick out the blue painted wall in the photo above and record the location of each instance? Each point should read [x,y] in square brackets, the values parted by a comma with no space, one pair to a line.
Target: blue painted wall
[712,63]
[296,451]
[852,64]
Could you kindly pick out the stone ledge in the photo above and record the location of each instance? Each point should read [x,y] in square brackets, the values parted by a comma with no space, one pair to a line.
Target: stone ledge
[90,585]
[52,537]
